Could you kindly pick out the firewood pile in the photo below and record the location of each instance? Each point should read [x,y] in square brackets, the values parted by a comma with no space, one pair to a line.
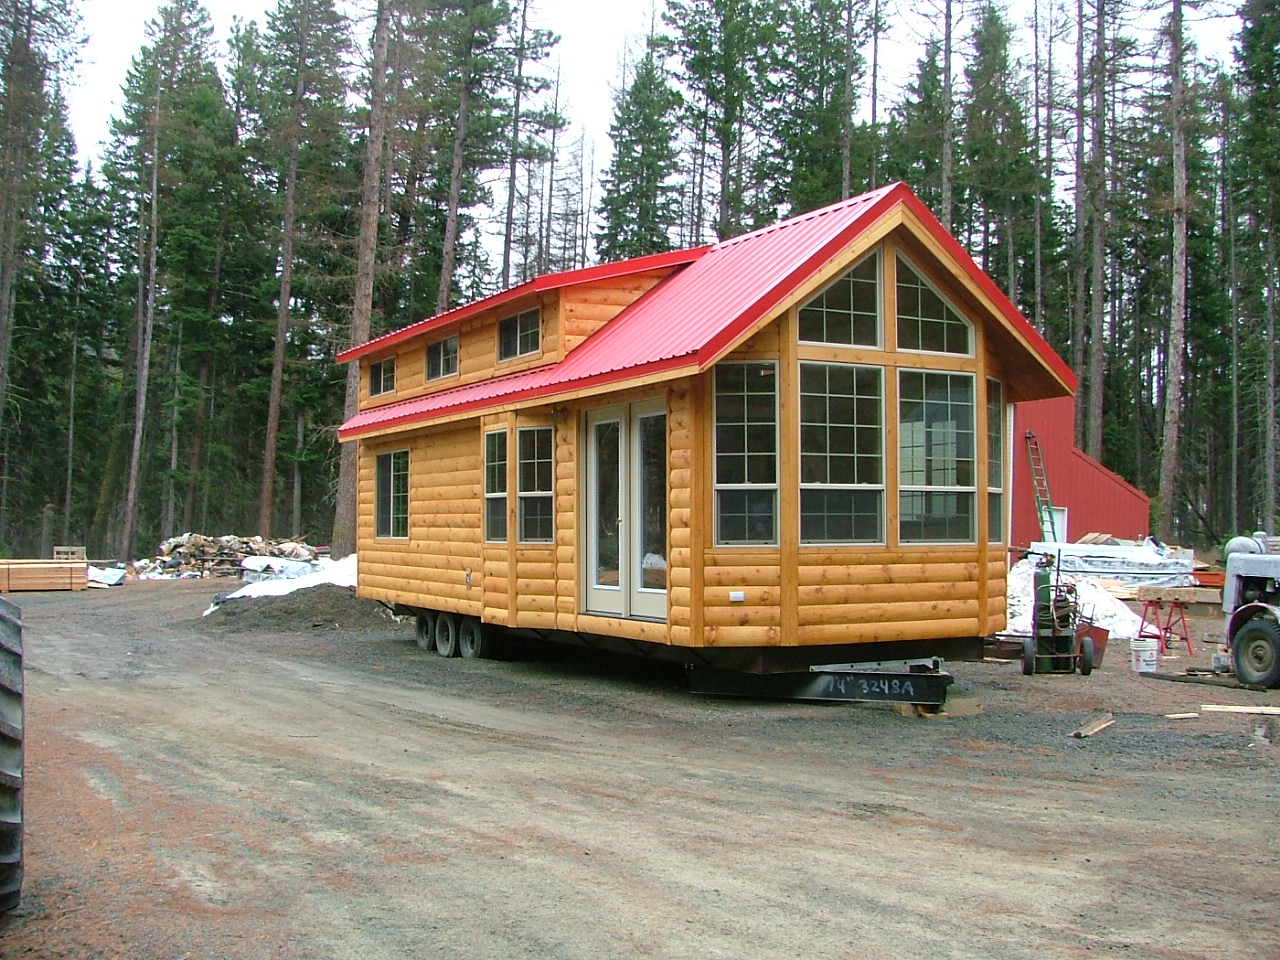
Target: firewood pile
[194,554]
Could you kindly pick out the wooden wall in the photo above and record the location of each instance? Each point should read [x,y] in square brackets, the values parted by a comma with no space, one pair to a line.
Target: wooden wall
[439,564]
[788,594]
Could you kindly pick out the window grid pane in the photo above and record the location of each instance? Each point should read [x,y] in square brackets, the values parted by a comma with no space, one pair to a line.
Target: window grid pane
[936,445]
[746,454]
[995,461]
[495,486]
[535,470]
[520,335]
[391,494]
[382,377]
[442,358]
[925,321]
[847,312]
[841,453]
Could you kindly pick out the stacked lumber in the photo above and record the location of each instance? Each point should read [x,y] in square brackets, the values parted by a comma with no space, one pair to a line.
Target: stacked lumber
[194,554]
[18,575]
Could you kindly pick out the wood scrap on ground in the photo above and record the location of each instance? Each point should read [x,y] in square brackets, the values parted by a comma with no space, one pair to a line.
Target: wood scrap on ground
[1229,708]
[194,554]
[1095,725]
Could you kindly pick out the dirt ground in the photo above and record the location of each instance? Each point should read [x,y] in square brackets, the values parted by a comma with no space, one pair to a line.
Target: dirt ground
[293,778]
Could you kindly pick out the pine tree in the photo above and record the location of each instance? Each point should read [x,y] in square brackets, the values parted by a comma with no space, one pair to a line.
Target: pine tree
[639,203]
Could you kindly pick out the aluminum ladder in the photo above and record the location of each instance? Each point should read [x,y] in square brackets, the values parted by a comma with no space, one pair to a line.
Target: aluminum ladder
[1040,481]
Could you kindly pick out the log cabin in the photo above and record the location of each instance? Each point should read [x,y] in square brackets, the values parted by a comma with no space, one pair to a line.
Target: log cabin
[789,448]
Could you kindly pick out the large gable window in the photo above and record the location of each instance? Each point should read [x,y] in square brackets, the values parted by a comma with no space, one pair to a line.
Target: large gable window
[746,453]
[926,322]
[536,472]
[521,335]
[391,494]
[442,358]
[847,311]
[935,457]
[382,377]
[841,453]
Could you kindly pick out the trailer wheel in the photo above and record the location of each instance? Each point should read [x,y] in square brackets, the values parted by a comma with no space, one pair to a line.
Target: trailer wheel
[424,630]
[1255,653]
[474,640]
[1029,656]
[1086,656]
[11,773]
[446,634]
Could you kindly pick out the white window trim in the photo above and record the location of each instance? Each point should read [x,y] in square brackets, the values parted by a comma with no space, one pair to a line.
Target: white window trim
[717,487]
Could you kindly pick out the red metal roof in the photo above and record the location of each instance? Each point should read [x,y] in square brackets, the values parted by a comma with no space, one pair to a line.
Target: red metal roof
[692,318]
[550,281]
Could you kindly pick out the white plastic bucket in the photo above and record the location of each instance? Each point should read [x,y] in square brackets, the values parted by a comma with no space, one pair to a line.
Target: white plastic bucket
[1144,655]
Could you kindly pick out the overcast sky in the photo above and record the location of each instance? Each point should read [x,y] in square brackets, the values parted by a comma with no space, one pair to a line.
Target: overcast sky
[594,35]
[590,54]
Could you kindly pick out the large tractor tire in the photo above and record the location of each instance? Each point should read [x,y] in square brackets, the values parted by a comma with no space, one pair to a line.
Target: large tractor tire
[1255,653]
[10,755]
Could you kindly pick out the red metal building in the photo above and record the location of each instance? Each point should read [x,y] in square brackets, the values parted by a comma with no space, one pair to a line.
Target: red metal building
[1087,497]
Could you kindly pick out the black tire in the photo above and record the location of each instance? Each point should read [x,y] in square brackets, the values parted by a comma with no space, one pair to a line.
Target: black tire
[424,630]
[446,634]
[1029,648]
[1086,656]
[11,773]
[1255,653]
[475,641]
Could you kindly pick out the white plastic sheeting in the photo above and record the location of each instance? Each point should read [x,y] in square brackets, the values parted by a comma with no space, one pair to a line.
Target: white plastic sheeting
[1092,599]
[1146,564]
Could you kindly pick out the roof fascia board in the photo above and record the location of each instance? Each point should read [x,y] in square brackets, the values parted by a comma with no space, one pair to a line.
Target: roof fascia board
[539,285]
[947,251]
[876,224]
[559,393]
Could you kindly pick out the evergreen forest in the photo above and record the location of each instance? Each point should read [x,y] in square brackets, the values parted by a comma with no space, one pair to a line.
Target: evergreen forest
[170,313]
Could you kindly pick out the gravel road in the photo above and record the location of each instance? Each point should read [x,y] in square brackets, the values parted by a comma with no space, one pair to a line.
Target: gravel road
[293,778]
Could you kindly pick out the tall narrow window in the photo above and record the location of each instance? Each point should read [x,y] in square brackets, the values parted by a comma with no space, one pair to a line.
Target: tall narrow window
[746,453]
[841,453]
[995,461]
[847,311]
[536,484]
[520,335]
[926,322]
[495,485]
[382,377]
[442,358]
[935,457]
[391,494]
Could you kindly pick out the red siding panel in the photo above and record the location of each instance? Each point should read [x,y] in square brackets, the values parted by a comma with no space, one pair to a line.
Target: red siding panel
[1097,500]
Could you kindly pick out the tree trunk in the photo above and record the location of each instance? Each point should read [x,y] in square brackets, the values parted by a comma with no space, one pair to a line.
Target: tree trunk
[449,253]
[144,343]
[267,493]
[948,119]
[1165,515]
[514,147]
[1078,305]
[343,541]
[1098,212]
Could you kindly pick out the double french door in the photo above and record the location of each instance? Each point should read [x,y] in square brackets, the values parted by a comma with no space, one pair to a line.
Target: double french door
[625,511]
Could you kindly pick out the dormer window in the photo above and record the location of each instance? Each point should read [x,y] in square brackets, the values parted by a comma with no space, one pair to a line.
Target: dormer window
[521,335]
[382,377]
[926,322]
[442,358]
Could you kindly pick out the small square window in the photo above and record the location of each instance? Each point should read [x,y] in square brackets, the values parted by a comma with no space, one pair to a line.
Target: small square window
[442,358]
[382,377]
[520,336]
